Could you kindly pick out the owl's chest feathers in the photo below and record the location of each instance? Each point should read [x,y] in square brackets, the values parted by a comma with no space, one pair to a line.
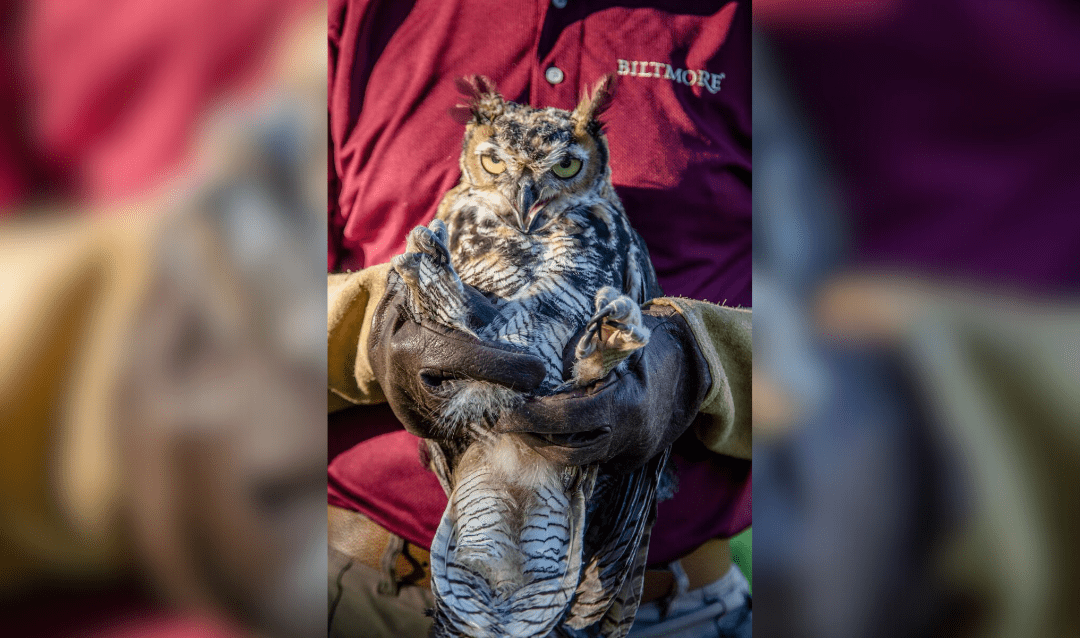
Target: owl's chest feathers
[571,257]
[544,282]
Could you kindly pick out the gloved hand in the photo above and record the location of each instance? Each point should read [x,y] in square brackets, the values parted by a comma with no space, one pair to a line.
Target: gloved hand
[630,415]
[411,357]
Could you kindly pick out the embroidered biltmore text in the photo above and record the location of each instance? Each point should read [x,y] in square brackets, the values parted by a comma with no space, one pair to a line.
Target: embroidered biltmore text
[640,69]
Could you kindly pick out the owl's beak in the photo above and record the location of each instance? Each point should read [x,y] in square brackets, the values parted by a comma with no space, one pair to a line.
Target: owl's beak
[526,197]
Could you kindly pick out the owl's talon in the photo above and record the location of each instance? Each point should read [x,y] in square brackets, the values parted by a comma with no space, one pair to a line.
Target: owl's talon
[408,266]
[604,298]
[428,242]
[612,334]
[565,386]
[438,228]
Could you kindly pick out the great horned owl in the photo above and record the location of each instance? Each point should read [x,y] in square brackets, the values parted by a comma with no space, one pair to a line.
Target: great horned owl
[530,247]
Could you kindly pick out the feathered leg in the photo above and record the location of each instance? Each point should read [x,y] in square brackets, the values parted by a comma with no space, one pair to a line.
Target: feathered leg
[437,292]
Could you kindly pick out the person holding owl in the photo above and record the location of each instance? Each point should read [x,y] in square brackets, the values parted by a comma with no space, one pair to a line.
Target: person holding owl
[680,163]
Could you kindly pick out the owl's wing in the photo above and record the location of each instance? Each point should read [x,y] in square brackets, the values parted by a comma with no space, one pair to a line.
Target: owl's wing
[617,540]
[640,277]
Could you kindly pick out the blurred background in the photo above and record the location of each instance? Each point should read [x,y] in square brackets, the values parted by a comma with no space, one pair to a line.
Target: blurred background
[917,344]
[162,345]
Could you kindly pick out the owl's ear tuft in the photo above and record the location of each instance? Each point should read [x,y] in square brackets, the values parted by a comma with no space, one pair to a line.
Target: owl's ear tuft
[586,115]
[484,101]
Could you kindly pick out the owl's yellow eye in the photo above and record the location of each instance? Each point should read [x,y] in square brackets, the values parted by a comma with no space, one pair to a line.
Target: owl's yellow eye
[492,164]
[567,168]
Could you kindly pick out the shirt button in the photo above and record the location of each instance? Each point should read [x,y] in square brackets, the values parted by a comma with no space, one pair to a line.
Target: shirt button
[554,75]
[559,4]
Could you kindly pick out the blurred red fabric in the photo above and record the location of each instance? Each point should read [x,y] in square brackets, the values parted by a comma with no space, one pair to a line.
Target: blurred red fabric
[101,98]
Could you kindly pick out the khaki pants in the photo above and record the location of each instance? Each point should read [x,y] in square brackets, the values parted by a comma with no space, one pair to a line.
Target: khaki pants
[359,610]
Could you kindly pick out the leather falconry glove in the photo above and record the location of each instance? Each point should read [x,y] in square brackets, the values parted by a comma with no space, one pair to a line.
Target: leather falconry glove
[411,356]
[630,415]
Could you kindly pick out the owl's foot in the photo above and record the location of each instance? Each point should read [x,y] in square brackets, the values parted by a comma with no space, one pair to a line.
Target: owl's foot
[437,291]
[615,331]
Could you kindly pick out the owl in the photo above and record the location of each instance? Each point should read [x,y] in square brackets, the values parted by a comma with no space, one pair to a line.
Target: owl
[530,248]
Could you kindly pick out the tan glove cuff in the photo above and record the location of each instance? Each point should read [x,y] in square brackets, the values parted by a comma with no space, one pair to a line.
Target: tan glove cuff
[351,301]
[724,336]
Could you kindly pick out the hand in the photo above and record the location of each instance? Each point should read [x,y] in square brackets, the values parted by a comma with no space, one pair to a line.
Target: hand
[633,413]
[411,356]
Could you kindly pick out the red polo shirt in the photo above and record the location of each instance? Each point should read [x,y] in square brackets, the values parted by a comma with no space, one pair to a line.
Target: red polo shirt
[679,134]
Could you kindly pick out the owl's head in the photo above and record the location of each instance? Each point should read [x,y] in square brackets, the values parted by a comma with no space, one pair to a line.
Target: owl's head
[528,164]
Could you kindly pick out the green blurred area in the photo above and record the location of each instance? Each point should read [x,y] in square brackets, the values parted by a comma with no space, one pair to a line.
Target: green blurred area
[742,553]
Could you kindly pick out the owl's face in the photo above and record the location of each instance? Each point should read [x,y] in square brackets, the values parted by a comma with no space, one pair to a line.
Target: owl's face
[530,165]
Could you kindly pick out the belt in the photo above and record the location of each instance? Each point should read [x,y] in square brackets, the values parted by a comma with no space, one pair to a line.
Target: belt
[404,563]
